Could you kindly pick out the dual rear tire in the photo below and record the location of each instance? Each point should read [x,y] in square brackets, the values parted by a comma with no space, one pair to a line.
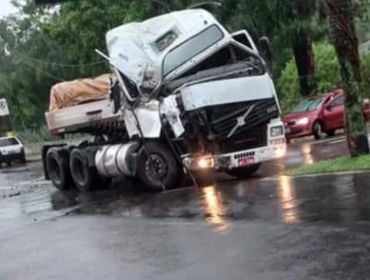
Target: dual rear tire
[68,168]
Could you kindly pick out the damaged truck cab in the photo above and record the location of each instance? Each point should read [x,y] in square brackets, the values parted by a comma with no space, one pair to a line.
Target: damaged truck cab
[192,97]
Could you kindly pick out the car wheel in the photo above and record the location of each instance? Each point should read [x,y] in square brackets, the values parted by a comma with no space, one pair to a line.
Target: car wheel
[84,177]
[330,133]
[318,130]
[58,168]
[158,168]
[244,172]
[23,158]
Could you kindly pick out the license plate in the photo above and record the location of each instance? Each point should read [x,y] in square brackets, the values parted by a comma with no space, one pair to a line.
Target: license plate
[246,161]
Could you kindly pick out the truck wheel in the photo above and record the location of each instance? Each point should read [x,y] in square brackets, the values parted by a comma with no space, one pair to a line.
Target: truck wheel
[244,172]
[57,166]
[84,177]
[318,130]
[157,167]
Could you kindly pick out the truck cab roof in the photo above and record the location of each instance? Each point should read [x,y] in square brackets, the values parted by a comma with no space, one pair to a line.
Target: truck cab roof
[143,50]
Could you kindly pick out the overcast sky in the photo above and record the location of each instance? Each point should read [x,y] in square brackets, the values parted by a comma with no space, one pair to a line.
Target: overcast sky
[6,8]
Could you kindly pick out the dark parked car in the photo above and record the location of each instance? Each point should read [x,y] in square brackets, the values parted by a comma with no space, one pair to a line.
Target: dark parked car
[323,114]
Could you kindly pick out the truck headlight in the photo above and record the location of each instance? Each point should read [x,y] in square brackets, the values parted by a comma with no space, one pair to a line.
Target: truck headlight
[303,121]
[205,163]
[277,131]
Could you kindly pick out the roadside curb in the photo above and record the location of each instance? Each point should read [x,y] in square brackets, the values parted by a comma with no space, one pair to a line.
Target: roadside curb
[340,173]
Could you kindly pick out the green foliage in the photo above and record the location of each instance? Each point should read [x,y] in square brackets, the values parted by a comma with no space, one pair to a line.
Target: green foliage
[327,76]
[35,135]
[341,164]
[46,45]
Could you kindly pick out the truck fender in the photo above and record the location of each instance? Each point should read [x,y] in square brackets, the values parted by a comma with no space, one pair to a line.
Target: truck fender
[144,119]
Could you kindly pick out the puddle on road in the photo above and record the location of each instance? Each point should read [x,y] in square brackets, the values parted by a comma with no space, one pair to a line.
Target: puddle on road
[325,198]
[292,201]
[301,200]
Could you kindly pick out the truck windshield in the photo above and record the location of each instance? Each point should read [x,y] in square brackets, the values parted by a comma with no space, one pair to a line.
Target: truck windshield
[191,48]
[8,142]
[308,105]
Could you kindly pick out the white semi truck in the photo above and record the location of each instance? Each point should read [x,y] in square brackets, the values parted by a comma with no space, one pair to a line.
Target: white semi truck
[190,97]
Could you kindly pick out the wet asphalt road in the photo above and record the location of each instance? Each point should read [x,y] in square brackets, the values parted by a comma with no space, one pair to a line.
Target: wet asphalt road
[269,227]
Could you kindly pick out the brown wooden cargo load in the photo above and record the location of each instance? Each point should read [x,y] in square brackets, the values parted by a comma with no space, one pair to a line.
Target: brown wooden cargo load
[80,103]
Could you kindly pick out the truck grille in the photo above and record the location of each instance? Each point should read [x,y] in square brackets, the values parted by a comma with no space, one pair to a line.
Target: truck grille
[242,125]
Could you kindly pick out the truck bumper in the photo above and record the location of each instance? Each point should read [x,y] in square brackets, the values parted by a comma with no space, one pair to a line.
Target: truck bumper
[223,162]
[276,148]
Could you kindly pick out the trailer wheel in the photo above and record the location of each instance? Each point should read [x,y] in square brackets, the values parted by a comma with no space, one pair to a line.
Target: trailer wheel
[57,167]
[84,177]
[244,172]
[157,167]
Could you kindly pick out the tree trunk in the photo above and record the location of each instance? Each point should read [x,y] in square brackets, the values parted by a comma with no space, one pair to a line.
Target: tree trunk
[305,62]
[303,49]
[346,46]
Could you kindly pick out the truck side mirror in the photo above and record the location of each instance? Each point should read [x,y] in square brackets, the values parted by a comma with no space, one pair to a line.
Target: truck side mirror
[264,47]
[328,107]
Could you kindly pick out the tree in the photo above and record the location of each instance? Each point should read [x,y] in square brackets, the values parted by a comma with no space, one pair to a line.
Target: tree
[291,26]
[341,19]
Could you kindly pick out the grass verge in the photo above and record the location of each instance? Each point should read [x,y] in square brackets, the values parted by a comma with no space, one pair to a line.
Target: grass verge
[341,164]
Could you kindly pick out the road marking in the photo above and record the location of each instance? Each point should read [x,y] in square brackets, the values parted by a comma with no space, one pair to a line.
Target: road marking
[329,140]
[269,179]
[38,181]
[338,141]
[6,188]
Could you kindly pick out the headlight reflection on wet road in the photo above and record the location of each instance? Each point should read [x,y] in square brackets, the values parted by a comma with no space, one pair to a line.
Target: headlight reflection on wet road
[214,208]
[288,201]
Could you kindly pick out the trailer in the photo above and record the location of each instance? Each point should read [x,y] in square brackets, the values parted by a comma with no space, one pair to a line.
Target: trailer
[189,97]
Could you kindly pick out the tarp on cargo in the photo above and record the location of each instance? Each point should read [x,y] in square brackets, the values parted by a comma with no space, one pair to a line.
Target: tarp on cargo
[79,91]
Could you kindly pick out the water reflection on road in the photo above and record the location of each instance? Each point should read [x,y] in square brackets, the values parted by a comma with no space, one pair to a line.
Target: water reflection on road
[290,200]
[214,208]
[287,200]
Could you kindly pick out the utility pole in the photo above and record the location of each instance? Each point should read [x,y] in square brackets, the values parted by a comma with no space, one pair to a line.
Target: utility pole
[344,39]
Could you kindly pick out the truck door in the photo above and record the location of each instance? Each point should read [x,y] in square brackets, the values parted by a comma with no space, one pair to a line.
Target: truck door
[334,113]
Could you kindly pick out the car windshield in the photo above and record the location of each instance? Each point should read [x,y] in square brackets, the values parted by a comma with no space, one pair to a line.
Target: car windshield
[8,142]
[308,105]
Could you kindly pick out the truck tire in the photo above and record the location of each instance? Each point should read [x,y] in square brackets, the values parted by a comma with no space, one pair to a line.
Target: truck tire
[244,172]
[84,177]
[158,168]
[58,169]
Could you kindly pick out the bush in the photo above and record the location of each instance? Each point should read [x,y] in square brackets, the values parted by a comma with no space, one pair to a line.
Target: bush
[29,135]
[42,134]
[327,76]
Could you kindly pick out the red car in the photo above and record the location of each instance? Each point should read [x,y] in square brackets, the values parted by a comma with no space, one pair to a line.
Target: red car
[318,115]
